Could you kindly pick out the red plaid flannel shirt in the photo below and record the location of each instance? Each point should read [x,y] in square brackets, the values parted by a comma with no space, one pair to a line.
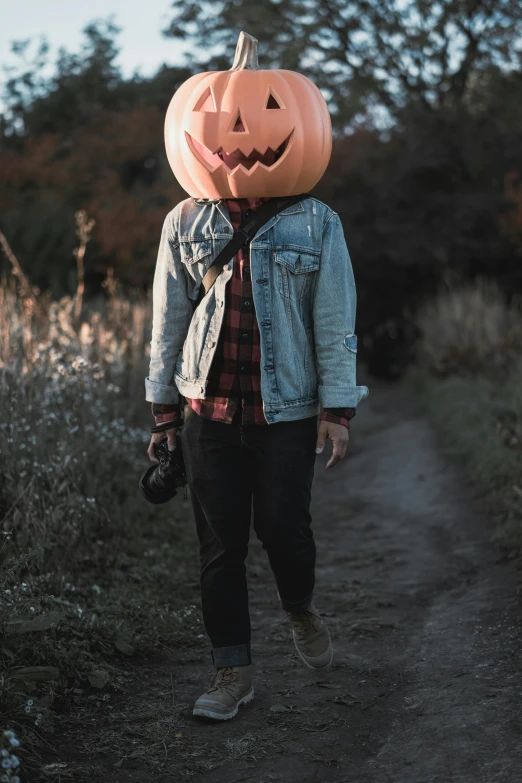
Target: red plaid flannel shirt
[235,375]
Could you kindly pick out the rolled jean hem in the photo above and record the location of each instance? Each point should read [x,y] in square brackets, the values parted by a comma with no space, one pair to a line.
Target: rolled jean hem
[236,655]
[297,606]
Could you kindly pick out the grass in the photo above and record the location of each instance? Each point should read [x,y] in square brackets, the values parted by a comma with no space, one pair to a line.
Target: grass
[470,329]
[469,371]
[92,577]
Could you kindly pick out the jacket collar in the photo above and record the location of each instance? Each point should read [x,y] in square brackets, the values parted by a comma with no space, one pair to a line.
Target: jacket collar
[291,210]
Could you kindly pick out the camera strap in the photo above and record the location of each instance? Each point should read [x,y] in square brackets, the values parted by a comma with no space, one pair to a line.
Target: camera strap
[244,234]
[166,425]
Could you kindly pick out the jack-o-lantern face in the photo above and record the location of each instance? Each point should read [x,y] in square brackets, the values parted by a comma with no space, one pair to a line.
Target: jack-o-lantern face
[248,132]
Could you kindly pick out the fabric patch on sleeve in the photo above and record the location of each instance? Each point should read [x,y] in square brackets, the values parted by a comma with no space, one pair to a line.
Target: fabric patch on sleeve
[350,342]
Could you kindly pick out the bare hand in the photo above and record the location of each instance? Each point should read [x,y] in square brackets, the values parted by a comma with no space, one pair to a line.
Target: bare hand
[157,437]
[339,436]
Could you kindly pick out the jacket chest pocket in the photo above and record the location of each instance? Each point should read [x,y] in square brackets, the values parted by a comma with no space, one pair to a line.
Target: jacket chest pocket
[196,254]
[295,271]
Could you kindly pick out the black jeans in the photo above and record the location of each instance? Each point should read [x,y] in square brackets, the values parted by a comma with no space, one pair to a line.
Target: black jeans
[231,467]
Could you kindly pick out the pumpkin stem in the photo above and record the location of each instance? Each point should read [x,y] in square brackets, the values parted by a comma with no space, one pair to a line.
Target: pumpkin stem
[246,53]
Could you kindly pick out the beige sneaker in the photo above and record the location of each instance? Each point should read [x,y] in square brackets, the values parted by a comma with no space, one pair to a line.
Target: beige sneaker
[230,687]
[311,638]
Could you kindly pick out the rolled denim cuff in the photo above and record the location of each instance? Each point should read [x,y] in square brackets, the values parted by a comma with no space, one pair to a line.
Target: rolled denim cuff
[297,606]
[237,655]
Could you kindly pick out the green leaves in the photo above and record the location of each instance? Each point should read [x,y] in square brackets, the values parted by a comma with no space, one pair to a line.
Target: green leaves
[29,623]
[36,673]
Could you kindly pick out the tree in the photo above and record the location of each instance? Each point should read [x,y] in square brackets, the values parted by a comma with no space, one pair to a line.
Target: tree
[421,203]
[81,85]
[85,138]
[371,58]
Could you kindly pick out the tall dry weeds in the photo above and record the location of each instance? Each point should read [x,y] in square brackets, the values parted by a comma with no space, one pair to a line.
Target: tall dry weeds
[77,592]
[69,390]
[470,370]
[470,329]
[84,226]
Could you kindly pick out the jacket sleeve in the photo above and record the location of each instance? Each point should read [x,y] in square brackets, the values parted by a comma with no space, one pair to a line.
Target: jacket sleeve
[334,309]
[171,314]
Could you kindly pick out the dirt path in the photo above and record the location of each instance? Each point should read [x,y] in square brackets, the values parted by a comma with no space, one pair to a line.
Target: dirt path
[426,683]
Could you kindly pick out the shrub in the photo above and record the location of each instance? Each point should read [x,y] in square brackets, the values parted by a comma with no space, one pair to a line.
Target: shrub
[89,571]
[470,372]
[470,329]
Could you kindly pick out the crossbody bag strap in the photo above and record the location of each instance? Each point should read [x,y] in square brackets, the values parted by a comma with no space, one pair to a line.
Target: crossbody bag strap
[244,234]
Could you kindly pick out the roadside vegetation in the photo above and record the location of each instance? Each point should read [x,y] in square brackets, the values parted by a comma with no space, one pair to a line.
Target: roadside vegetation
[91,576]
[469,370]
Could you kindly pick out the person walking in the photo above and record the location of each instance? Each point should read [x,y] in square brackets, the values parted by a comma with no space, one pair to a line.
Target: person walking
[260,375]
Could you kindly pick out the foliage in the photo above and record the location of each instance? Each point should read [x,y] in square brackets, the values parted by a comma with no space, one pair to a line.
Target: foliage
[89,572]
[431,198]
[481,421]
[79,85]
[10,763]
[470,329]
[470,372]
[127,197]
[511,220]
[84,137]
[366,55]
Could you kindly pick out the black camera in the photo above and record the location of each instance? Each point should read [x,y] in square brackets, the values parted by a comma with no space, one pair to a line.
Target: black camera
[160,482]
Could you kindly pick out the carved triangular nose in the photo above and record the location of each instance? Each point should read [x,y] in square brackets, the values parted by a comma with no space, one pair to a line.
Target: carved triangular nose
[239,127]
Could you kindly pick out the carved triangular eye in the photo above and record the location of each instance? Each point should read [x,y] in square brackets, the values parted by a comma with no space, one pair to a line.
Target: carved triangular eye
[272,103]
[206,102]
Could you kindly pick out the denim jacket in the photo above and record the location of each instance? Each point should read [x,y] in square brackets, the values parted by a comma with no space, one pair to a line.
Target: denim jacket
[304,297]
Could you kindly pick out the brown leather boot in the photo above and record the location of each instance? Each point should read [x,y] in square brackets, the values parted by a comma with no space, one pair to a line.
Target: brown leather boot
[311,638]
[230,687]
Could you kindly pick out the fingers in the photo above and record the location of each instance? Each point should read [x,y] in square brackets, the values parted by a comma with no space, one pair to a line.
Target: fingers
[150,451]
[339,436]
[337,454]
[322,432]
[156,438]
[171,439]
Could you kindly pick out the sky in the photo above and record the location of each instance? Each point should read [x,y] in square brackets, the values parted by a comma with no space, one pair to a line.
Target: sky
[142,47]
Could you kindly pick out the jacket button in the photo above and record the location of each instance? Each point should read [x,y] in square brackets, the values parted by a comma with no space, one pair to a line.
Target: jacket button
[298,262]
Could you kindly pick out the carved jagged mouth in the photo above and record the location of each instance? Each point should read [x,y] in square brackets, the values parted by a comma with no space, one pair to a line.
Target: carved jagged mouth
[214,159]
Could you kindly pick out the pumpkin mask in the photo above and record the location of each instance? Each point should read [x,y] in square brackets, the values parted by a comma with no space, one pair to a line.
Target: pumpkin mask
[248,132]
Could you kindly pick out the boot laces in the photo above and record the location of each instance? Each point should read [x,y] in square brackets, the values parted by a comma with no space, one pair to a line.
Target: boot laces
[303,622]
[223,679]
